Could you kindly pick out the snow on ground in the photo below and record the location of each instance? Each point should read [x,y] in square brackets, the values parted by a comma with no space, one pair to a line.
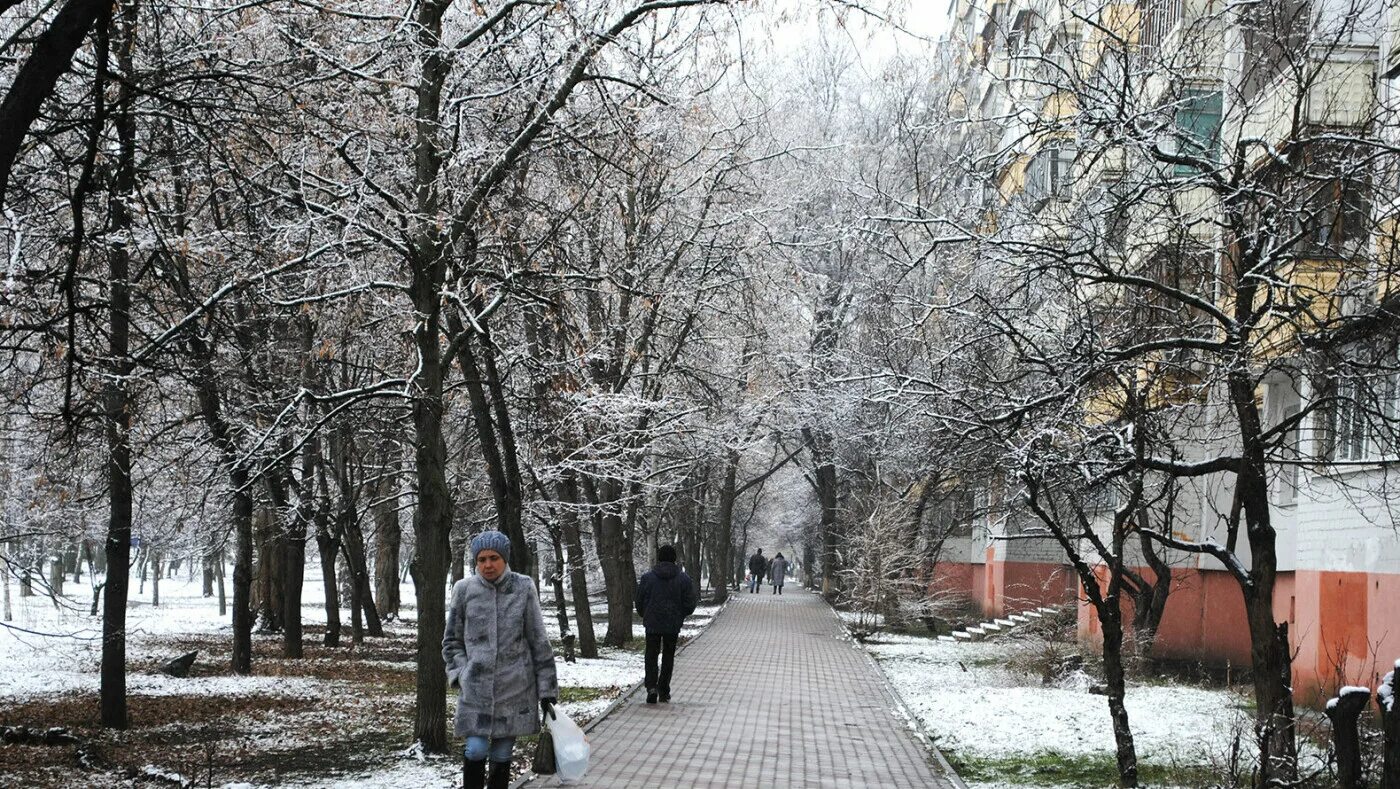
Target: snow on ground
[975,707]
[51,651]
[408,770]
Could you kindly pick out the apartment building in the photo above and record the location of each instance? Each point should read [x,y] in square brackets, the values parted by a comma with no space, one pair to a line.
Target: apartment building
[1205,146]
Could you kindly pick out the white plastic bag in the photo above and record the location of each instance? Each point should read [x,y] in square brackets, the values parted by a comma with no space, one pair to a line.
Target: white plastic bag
[570,748]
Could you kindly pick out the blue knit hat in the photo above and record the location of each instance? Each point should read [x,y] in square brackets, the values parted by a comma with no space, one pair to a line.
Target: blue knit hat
[491,540]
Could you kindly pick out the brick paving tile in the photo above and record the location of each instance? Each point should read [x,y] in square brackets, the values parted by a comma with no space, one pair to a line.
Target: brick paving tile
[771,697]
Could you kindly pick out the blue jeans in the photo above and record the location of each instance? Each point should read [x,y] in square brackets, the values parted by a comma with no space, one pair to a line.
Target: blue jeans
[479,748]
[753,583]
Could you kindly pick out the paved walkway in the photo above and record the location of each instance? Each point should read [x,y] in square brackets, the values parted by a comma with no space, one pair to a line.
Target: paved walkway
[770,697]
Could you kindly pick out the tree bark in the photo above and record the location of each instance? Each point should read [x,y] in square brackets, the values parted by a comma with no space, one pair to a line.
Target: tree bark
[387,537]
[117,398]
[556,579]
[615,556]
[7,614]
[578,568]
[353,547]
[271,539]
[492,426]
[155,578]
[219,576]
[208,574]
[1125,752]
[1270,653]
[725,527]
[1344,711]
[242,570]
[294,545]
[1389,708]
[328,546]
[51,56]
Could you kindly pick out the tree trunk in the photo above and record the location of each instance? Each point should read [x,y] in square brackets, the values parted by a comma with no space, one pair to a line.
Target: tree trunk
[208,577]
[270,541]
[824,472]
[155,579]
[556,580]
[578,569]
[219,576]
[387,539]
[353,547]
[1111,618]
[293,577]
[513,519]
[50,57]
[615,555]
[1344,712]
[242,572]
[117,398]
[26,573]
[56,578]
[725,527]
[1150,600]
[328,545]
[7,614]
[505,486]
[1390,727]
[826,497]
[1270,652]
[351,590]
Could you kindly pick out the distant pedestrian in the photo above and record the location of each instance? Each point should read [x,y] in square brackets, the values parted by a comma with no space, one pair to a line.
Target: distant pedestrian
[758,566]
[778,572]
[499,658]
[665,597]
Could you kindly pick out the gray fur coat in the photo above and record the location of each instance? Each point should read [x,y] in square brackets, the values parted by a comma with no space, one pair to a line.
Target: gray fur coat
[498,656]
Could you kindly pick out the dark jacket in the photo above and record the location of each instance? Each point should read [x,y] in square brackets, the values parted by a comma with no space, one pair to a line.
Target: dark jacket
[665,598]
[758,564]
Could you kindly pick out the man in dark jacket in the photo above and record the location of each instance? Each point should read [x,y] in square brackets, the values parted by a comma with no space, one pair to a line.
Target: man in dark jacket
[758,566]
[665,598]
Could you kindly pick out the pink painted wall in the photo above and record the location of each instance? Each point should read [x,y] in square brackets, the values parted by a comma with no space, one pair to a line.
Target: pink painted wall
[1344,626]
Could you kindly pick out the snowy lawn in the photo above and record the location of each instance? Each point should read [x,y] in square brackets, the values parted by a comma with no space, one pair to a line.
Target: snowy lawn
[339,717]
[1004,728]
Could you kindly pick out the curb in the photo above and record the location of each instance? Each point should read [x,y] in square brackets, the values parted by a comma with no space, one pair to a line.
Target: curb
[915,724]
[525,779]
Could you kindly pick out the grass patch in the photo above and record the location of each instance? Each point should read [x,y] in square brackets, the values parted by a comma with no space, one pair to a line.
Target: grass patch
[635,644]
[1072,770]
[574,695]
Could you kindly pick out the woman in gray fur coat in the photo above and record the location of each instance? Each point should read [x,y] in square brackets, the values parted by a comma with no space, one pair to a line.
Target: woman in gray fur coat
[499,658]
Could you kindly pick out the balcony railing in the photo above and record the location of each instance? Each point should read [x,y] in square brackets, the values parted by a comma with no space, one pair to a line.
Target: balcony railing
[1159,19]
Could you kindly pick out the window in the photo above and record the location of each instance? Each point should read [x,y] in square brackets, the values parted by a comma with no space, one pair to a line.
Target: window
[1361,419]
[1334,219]
[1274,32]
[1283,404]
[1348,422]
[1020,35]
[1196,131]
[1160,17]
[1048,174]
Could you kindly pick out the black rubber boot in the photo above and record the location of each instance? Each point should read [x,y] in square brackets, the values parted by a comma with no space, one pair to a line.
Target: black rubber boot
[473,774]
[500,775]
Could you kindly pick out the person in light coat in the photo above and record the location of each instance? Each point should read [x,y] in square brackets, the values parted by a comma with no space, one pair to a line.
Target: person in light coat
[778,572]
[499,658]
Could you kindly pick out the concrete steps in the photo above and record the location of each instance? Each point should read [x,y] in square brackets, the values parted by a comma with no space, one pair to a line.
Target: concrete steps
[997,627]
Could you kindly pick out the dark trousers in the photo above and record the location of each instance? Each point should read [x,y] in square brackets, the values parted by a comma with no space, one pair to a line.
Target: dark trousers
[664,646]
